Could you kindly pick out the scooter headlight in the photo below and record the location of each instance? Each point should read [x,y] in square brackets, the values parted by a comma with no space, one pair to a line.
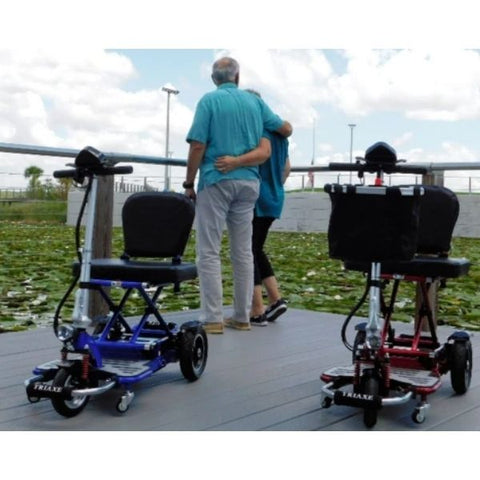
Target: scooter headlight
[65,333]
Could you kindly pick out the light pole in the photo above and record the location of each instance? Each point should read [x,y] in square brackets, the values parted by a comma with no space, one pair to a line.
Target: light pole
[311,175]
[167,169]
[352,126]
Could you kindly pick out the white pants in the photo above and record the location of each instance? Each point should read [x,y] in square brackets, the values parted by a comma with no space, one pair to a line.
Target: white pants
[229,202]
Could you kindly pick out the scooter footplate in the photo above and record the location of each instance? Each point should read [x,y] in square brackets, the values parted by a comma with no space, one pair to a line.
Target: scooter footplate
[125,368]
[416,378]
[346,371]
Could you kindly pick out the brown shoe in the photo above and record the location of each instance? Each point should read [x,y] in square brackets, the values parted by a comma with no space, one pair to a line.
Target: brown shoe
[213,327]
[231,323]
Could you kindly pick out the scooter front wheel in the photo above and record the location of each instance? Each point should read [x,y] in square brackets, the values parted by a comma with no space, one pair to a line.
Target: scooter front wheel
[370,386]
[68,408]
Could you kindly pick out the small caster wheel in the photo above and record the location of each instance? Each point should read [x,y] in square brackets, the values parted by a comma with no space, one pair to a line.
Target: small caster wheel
[122,406]
[326,402]
[418,416]
[124,403]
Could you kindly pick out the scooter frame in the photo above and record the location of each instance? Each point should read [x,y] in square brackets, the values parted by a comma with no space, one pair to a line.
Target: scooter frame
[109,352]
[387,369]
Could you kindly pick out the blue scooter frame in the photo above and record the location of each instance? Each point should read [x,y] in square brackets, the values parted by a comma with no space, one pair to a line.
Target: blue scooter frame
[109,352]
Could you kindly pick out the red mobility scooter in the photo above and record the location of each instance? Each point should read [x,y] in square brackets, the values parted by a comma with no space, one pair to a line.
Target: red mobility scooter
[394,234]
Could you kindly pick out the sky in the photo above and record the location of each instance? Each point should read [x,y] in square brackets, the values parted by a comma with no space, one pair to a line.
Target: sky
[422,97]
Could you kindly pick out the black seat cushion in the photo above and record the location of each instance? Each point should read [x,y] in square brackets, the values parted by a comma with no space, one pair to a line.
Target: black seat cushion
[140,271]
[422,266]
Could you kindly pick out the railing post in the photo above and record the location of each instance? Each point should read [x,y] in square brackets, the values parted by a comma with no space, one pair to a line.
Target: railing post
[102,236]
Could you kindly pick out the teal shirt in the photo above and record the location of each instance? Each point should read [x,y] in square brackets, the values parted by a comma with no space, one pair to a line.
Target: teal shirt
[272,193]
[230,121]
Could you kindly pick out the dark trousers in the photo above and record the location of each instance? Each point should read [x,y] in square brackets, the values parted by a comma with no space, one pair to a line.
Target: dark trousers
[262,265]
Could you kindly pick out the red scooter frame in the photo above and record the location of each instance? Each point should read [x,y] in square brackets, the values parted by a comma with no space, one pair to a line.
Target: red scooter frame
[389,369]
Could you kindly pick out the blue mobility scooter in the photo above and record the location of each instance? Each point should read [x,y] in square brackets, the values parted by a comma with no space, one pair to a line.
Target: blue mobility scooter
[394,234]
[112,350]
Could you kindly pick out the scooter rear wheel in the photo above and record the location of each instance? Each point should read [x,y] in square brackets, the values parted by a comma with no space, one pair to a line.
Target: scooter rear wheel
[461,366]
[193,354]
[68,408]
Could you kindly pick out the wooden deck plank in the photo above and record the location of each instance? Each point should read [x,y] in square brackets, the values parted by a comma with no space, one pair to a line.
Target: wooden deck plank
[265,379]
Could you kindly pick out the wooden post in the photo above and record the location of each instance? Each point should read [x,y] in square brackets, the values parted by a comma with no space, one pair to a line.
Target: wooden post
[432,178]
[102,236]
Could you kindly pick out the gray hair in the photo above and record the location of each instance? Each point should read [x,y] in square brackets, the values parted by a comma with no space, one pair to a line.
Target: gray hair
[225,70]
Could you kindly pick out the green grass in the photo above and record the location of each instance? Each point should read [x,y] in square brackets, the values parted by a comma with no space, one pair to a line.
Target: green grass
[35,211]
[36,258]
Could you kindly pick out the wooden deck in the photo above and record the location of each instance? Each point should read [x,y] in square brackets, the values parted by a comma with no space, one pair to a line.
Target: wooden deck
[265,379]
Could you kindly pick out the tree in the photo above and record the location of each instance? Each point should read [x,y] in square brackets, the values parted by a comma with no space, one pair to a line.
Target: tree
[33,173]
[64,187]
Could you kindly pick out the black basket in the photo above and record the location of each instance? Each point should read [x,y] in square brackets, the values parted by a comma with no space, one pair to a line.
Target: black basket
[373,223]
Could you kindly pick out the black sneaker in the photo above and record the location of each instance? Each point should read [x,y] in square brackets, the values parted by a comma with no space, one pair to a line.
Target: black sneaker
[276,309]
[259,320]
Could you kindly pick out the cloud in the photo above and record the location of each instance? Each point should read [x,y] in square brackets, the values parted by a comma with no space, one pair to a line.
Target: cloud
[292,82]
[441,85]
[438,85]
[74,99]
[448,152]
[402,139]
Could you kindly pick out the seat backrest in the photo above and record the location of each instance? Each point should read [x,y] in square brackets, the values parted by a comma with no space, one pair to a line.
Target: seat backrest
[439,211]
[157,224]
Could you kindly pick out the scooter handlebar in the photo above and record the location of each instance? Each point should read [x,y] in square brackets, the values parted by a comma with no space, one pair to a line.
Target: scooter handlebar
[372,168]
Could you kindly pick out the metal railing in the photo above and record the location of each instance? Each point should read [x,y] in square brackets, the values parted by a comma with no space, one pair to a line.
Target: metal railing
[436,171]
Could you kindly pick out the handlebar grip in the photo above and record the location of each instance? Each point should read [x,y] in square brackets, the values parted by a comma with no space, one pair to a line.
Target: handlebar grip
[64,173]
[123,170]
[344,167]
[410,169]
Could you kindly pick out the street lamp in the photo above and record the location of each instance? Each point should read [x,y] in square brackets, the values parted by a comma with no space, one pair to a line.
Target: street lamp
[352,126]
[167,169]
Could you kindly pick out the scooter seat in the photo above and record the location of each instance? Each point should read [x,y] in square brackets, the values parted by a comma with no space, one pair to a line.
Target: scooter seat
[140,271]
[421,266]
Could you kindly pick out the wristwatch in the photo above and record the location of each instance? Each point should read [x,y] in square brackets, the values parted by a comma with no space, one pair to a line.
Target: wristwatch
[187,184]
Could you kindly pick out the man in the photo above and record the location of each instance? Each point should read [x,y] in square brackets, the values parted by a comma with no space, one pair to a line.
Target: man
[228,121]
